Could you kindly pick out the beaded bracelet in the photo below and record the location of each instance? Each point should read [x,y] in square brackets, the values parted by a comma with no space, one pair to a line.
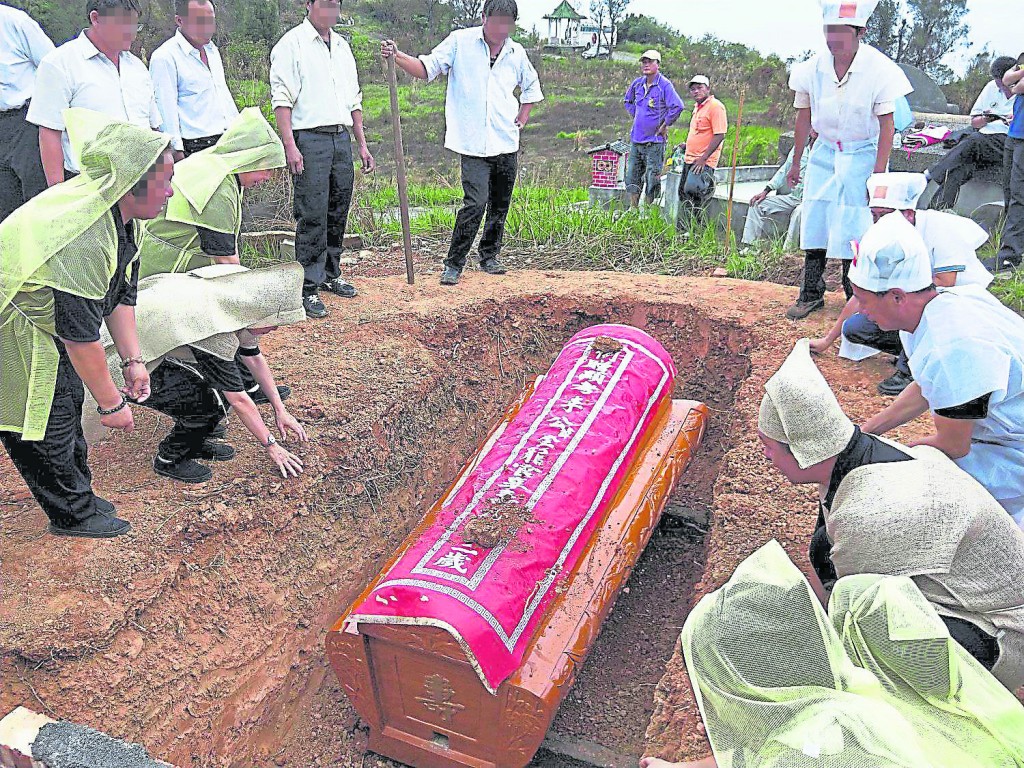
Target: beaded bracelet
[103,412]
[128,361]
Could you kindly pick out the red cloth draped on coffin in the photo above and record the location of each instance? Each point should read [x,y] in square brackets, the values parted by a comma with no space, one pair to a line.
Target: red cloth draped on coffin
[515,525]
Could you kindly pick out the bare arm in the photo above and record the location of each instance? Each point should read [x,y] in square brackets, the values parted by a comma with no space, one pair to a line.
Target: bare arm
[291,152]
[260,370]
[51,152]
[952,436]
[1013,76]
[368,163]
[802,134]
[90,362]
[409,64]
[124,332]
[886,133]
[287,463]
[852,307]
[908,406]
[524,115]
[716,142]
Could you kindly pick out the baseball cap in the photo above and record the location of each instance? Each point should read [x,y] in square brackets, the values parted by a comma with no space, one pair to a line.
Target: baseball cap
[652,54]
[702,79]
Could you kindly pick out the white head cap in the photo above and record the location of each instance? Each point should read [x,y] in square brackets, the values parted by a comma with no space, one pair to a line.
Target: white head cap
[854,13]
[652,54]
[702,79]
[899,191]
[800,409]
[891,255]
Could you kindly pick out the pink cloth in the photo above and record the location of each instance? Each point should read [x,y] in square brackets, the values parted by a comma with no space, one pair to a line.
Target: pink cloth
[560,461]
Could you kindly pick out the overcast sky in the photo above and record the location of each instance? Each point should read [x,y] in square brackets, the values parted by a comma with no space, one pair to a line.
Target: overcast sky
[770,29]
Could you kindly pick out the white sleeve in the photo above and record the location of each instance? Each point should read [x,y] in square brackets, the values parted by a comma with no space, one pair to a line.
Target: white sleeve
[285,82]
[37,44]
[164,74]
[52,96]
[963,371]
[892,84]
[529,81]
[440,60]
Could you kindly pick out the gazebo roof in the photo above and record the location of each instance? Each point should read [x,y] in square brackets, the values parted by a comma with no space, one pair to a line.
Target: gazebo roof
[565,11]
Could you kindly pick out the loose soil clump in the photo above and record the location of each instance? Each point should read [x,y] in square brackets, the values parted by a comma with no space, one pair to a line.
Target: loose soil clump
[604,345]
[495,524]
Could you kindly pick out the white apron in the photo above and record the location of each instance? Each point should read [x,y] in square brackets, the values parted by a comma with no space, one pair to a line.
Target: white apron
[835,206]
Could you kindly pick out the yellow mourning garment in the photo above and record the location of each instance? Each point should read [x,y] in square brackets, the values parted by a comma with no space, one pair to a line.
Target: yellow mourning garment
[207,194]
[64,239]
[880,685]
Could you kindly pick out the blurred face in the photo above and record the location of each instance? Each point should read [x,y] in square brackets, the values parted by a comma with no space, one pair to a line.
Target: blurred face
[699,92]
[250,179]
[115,28]
[149,203]
[882,310]
[649,66]
[784,461]
[200,24]
[324,14]
[877,213]
[842,39]
[498,29]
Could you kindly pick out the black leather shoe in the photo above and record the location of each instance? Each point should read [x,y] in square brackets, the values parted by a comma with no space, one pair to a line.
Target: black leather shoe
[185,471]
[802,309]
[104,507]
[450,276]
[895,383]
[259,398]
[221,429]
[314,306]
[213,451]
[340,288]
[493,267]
[93,527]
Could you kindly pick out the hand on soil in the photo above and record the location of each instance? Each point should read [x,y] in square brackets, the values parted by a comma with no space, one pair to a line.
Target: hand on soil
[287,423]
[287,462]
[123,419]
[820,346]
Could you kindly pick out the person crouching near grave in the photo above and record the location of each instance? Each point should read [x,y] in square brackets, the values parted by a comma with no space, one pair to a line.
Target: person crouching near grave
[848,95]
[966,353]
[894,510]
[951,241]
[190,328]
[66,269]
[201,224]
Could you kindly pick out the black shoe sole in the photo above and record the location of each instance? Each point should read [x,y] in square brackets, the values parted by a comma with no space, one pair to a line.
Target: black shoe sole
[55,531]
[171,476]
[316,315]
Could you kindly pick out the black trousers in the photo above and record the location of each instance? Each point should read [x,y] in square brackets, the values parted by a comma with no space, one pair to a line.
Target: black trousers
[975,152]
[487,185]
[21,168]
[813,287]
[981,645]
[198,145]
[1013,231]
[56,468]
[181,393]
[323,196]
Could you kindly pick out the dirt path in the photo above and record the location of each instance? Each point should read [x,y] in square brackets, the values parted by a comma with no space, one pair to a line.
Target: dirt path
[201,634]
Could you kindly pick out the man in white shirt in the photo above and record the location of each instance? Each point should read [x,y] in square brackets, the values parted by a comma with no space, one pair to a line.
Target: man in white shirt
[951,241]
[94,71]
[188,76]
[966,353]
[484,67]
[314,88]
[22,47]
[991,115]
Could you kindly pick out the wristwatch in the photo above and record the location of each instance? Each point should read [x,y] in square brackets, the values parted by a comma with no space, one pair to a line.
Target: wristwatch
[270,441]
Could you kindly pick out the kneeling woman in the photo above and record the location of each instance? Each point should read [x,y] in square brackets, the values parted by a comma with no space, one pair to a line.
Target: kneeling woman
[190,328]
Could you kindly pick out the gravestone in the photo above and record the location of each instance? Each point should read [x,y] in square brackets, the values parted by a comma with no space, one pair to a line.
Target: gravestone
[927,96]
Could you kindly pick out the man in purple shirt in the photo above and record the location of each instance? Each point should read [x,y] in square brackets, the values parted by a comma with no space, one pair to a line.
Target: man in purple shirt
[654,105]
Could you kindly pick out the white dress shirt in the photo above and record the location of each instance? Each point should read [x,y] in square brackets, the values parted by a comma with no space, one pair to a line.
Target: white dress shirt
[993,101]
[194,99]
[77,75]
[847,110]
[319,84]
[481,106]
[23,44]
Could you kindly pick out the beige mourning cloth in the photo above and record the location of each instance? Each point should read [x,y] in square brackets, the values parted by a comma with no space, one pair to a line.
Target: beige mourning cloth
[931,521]
[800,409]
[206,308]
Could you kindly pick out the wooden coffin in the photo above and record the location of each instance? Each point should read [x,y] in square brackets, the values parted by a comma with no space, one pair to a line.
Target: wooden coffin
[424,702]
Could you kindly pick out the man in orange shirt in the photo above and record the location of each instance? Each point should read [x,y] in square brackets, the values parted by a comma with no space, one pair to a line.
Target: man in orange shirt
[703,151]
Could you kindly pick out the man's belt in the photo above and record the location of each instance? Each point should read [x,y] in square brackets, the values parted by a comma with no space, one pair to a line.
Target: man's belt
[332,129]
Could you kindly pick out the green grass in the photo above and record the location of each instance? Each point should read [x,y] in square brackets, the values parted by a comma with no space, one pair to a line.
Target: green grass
[1010,291]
